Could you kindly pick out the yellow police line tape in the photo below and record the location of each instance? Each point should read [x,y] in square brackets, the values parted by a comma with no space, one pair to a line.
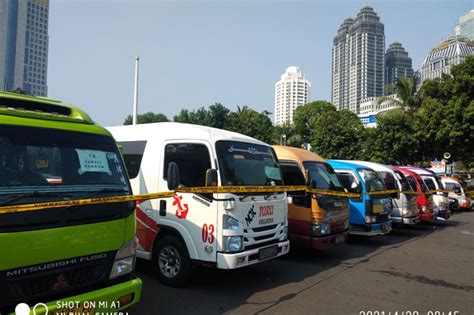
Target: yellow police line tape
[202,190]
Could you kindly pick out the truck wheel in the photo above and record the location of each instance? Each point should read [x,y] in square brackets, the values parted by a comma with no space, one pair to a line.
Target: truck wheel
[171,262]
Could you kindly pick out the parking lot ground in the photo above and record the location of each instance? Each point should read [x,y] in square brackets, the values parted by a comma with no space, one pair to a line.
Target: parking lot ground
[413,269]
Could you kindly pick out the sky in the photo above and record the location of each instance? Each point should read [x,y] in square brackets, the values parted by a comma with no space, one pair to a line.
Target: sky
[196,53]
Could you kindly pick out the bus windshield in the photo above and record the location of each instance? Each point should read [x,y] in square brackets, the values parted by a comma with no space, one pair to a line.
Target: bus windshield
[43,161]
[371,179]
[247,164]
[324,176]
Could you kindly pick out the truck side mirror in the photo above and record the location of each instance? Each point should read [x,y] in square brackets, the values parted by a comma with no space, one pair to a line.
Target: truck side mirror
[211,177]
[395,195]
[312,184]
[457,190]
[356,188]
[173,176]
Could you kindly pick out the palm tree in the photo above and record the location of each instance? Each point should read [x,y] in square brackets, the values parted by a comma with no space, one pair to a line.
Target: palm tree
[405,92]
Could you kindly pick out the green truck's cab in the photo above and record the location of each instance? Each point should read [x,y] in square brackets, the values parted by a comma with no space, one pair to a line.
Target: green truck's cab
[76,259]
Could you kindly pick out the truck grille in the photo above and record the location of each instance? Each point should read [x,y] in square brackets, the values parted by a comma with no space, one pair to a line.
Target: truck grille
[254,237]
[53,282]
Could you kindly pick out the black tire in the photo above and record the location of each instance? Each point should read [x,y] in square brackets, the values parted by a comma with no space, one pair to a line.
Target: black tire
[173,253]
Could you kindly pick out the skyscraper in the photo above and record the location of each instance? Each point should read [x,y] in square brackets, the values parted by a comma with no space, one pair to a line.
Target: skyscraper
[358,60]
[290,92]
[465,28]
[397,64]
[448,53]
[24,45]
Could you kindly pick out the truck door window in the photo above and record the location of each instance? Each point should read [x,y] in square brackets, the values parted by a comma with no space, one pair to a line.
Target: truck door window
[193,161]
[292,175]
[348,180]
[430,183]
[411,181]
[389,180]
[132,152]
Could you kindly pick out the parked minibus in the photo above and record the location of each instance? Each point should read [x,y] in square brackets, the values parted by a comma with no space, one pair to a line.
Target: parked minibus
[315,221]
[368,214]
[459,191]
[433,182]
[68,259]
[424,201]
[222,230]
[404,210]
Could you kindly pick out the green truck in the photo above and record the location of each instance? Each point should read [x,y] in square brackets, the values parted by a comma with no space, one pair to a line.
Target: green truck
[71,259]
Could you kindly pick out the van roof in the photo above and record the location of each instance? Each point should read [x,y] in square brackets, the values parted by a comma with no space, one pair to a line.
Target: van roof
[420,171]
[173,130]
[296,154]
[372,165]
[36,111]
[337,164]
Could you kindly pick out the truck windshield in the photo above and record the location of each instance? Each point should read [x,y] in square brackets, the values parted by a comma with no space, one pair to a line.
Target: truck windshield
[247,164]
[324,176]
[371,179]
[411,182]
[45,164]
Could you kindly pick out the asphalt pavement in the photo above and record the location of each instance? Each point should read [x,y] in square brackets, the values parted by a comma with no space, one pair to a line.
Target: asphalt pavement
[424,269]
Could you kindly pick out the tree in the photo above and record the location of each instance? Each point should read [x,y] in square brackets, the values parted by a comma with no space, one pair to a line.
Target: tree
[146,118]
[338,134]
[307,115]
[405,91]
[219,116]
[251,123]
[446,116]
[392,142]
[201,116]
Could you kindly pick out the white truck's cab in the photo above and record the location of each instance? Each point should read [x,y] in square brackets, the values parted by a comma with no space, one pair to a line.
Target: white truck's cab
[225,230]
[440,199]
[405,210]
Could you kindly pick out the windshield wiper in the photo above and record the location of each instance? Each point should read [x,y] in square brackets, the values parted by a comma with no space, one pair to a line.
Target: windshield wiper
[33,194]
[103,190]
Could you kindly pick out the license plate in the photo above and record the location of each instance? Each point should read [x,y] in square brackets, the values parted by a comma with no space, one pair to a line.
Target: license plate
[78,310]
[378,208]
[268,252]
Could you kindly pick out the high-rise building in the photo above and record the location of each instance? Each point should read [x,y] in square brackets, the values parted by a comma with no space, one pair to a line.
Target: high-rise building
[397,64]
[24,45]
[465,28]
[290,92]
[358,60]
[448,53]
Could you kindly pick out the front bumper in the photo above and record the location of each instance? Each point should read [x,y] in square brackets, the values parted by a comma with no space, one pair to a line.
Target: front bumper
[103,300]
[325,242]
[371,229]
[444,214]
[427,217]
[249,257]
[408,221]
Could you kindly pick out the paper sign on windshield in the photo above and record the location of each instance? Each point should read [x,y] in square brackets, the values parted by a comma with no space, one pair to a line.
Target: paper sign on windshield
[93,161]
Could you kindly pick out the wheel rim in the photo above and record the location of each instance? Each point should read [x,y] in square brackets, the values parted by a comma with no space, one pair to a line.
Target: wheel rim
[169,261]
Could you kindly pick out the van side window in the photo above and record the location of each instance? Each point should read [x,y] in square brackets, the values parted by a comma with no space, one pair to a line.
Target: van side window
[293,176]
[193,161]
[132,152]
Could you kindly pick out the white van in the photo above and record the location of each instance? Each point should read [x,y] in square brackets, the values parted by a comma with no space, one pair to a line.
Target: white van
[405,210]
[225,230]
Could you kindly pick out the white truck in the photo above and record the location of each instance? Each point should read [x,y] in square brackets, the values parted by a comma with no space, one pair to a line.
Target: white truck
[223,230]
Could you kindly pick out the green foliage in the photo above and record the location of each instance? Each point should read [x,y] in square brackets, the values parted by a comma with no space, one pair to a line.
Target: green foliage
[392,142]
[306,116]
[251,123]
[146,118]
[337,134]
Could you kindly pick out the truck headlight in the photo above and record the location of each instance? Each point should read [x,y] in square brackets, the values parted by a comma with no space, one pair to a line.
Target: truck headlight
[124,260]
[370,219]
[233,243]
[320,228]
[230,223]
[425,209]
